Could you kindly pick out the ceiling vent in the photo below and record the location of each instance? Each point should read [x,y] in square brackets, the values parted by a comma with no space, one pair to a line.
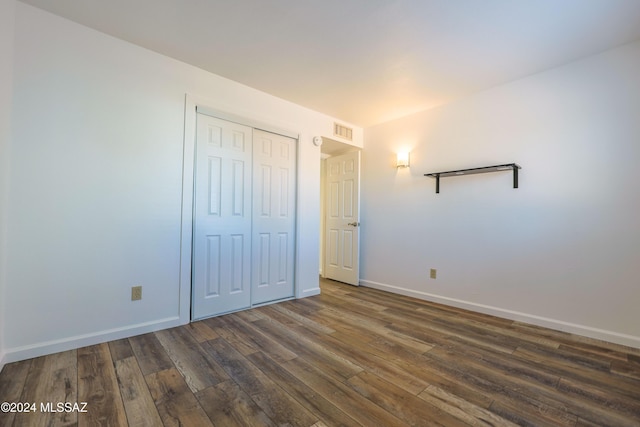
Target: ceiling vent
[343,132]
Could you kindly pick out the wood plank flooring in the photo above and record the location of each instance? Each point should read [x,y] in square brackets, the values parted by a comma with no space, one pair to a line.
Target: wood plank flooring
[351,356]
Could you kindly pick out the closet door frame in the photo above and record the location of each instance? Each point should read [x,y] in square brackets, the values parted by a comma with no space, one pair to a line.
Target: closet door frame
[194,105]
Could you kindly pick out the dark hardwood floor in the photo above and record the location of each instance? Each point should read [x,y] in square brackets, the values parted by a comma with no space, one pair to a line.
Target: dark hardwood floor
[351,356]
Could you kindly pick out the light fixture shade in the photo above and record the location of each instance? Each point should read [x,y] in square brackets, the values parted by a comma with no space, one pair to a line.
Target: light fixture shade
[402,160]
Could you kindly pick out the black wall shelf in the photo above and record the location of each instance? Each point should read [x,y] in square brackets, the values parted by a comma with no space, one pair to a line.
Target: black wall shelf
[497,168]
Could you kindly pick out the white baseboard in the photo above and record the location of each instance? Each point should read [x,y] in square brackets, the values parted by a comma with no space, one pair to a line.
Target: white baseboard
[559,325]
[309,292]
[49,347]
[2,361]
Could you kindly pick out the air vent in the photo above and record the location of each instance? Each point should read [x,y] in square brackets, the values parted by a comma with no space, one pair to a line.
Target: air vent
[343,131]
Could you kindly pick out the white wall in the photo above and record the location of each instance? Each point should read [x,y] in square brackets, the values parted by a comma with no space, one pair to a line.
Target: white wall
[96,183]
[563,249]
[7,8]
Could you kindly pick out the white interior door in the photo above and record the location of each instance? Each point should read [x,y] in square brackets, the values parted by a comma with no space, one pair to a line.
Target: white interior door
[222,217]
[342,218]
[274,189]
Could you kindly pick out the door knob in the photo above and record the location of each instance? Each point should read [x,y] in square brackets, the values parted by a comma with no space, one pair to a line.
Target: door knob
[354,224]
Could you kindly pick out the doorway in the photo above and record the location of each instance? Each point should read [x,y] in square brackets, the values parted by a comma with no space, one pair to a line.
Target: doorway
[340,213]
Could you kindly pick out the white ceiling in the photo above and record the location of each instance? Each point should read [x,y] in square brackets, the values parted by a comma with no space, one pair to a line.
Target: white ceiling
[365,61]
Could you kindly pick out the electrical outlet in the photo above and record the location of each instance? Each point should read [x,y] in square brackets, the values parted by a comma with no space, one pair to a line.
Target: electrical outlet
[432,273]
[136,293]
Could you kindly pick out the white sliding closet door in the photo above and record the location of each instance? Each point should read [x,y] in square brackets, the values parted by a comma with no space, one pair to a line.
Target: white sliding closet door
[274,185]
[221,270]
[244,217]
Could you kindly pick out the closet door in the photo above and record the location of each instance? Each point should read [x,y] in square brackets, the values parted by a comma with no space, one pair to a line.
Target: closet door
[221,271]
[274,189]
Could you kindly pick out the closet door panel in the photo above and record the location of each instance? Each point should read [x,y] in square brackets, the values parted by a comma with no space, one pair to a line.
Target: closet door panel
[274,185]
[221,270]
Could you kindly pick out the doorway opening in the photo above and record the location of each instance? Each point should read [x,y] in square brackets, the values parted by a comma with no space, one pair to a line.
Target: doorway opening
[340,212]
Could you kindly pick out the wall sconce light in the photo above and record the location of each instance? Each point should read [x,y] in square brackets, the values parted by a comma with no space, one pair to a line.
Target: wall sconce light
[402,160]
